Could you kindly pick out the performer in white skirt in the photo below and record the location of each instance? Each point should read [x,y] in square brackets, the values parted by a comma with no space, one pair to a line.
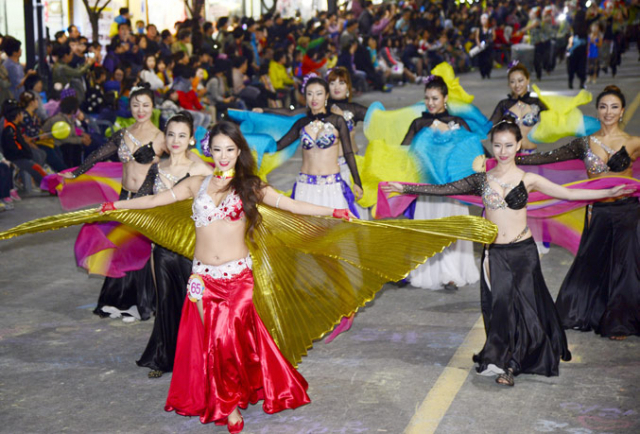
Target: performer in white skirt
[321,133]
[320,181]
[432,138]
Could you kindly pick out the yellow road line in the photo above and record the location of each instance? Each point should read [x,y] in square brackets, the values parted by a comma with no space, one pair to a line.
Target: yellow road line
[430,413]
[630,111]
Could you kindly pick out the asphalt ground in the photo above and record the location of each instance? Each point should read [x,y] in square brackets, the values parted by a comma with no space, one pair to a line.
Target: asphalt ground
[405,366]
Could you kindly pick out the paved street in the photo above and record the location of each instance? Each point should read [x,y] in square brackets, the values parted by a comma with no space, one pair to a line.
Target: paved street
[405,366]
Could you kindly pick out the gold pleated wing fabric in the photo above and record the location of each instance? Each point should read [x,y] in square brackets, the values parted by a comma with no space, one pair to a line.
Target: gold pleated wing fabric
[309,271]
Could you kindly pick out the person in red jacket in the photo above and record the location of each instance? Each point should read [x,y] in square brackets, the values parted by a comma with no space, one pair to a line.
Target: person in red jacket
[14,147]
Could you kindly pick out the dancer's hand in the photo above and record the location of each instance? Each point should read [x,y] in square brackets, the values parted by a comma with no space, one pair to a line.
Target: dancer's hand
[621,190]
[257,110]
[357,191]
[342,213]
[66,175]
[107,206]
[392,187]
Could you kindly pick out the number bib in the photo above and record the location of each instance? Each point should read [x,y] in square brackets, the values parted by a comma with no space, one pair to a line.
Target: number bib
[195,287]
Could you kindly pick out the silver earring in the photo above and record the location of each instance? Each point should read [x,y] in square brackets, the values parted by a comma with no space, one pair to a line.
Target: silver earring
[620,119]
[347,94]
[528,88]
[446,106]
[325,102]
[192,142]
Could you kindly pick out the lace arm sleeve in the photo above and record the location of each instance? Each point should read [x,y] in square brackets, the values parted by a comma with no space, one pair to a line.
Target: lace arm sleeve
[147,185]
[470,185]
[408,138]
[497,113]
[100,154]
[571,151]
[293,134]
[542,105]
[347,149]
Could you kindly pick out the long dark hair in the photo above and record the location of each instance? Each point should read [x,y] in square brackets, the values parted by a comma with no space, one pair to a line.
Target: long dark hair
[245,182]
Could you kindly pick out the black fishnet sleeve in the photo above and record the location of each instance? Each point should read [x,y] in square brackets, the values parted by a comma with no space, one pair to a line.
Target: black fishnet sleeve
[575,150]
[284,111]
[498,112]
[293,134]
[347,150]
[413,130]
[542,105]
[147,185]
[102,153]
[471,185]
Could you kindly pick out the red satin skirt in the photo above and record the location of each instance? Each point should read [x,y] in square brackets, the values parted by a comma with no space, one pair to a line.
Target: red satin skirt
[231,360]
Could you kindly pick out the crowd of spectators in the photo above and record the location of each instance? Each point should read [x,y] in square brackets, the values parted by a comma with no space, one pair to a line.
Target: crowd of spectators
[243,63]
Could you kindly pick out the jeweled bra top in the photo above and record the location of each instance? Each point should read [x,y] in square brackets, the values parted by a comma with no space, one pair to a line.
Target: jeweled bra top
[143,155]
[529,119]
[618,161]
[160,186]
[205,210]
[516,198]
[326,136]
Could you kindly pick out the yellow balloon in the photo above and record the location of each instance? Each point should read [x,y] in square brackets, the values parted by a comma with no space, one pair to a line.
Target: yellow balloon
[60,130]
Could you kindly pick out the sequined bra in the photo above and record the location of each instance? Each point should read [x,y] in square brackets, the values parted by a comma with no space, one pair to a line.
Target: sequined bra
[205,211]
[159,185]
[143,155]
[618,161]
[325,138]
[529,119]
[516,198]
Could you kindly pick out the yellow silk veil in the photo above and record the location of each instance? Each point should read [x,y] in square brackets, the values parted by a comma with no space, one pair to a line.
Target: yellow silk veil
[309,271]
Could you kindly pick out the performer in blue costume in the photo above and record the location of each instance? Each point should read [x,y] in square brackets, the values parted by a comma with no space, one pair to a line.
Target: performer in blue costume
[433,155]
[542,118]
[445,149]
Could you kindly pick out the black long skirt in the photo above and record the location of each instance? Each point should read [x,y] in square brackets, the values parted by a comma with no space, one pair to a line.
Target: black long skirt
[135,288]
[172,273]
[522,325]
[601,291]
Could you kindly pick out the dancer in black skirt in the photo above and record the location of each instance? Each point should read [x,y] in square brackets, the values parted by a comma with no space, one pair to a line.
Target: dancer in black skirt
[601,291]
[171,271]
[136,147]
[524,334]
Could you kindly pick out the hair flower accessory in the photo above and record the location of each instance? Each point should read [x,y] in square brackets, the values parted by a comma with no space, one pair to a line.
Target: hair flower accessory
[204,143]
[513,63]
[307,78]
[428,79]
